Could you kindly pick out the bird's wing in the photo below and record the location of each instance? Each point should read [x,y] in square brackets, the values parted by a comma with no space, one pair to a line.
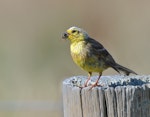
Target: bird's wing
[103,55]
[98,50]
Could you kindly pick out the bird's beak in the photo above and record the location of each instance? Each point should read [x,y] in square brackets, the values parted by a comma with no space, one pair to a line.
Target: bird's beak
[65,35]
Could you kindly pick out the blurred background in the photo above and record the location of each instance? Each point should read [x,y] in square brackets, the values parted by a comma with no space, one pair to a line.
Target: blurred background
[34,60]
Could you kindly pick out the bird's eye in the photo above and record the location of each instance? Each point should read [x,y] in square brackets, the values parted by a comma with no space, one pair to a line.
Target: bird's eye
[73,31]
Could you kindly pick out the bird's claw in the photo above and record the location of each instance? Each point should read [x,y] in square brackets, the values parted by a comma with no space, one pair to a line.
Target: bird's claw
[94,85]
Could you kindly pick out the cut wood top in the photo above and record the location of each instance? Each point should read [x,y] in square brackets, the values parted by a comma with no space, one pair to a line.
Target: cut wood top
[120,96]
[109,81]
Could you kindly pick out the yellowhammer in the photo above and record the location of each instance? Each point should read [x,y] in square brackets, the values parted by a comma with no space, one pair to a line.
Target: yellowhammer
[90,55]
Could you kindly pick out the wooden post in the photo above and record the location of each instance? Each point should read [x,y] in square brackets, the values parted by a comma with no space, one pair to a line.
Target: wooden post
[120,96]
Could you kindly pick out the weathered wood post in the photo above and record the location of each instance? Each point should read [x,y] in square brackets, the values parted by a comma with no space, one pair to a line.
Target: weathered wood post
[120,96]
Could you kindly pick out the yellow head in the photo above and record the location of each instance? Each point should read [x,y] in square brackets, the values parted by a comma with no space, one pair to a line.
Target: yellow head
[75,34]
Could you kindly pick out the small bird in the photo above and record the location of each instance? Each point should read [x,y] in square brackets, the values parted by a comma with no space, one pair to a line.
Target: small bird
[90,55]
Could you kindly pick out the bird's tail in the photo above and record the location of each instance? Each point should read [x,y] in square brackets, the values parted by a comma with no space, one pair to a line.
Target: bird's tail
[125,70]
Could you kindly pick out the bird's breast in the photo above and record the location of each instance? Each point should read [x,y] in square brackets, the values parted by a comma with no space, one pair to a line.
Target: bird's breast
[79,53]
[84,58]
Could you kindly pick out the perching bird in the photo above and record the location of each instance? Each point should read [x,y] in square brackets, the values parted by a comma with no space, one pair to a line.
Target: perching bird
[90,55]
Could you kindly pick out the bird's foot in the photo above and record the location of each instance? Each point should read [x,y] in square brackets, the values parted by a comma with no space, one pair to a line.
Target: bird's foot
[81,87]
[85,85]
[94,85]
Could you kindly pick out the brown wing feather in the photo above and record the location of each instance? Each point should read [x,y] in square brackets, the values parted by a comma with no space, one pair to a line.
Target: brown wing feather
[99,50]
[103,55]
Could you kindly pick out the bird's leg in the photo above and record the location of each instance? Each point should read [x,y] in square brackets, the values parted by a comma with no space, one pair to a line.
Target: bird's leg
[96,83]
[89,77]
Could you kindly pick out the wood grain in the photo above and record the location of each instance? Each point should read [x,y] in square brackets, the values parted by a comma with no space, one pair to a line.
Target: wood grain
[130,99]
